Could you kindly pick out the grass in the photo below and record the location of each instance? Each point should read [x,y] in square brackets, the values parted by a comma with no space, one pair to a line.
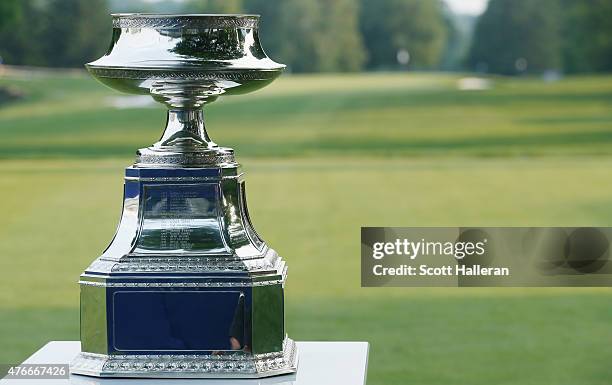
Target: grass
[323,156]
[381,115]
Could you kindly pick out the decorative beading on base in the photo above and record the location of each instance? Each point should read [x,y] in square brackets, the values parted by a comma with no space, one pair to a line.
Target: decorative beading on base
[231,364]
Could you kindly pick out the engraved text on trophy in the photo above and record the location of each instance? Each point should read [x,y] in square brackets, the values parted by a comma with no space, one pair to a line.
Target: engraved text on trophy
[180,217]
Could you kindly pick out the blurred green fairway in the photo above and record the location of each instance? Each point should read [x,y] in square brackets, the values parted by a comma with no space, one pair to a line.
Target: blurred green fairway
[323,156]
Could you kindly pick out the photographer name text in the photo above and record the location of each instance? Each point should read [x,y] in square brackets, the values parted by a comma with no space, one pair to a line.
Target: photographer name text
[440,271]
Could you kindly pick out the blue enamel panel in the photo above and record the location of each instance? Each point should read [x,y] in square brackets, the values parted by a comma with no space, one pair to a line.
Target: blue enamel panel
[164,321]
[132,189]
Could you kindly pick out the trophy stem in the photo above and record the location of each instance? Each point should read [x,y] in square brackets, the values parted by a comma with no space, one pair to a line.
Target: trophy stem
[185,143]
[185,128]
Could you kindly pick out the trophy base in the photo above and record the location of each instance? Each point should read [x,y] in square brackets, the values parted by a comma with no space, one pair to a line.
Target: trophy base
[229,365]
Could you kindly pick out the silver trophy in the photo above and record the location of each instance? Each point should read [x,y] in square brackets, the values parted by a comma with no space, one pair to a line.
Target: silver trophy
[187,288]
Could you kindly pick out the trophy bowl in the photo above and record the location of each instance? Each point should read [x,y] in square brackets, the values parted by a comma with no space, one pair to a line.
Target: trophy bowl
[187,287]
[184,62]
[206,55]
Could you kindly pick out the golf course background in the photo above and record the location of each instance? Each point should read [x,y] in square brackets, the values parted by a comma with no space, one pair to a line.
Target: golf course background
[323,156]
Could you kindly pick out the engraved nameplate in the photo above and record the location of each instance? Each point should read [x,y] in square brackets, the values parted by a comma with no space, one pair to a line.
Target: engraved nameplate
[180,218]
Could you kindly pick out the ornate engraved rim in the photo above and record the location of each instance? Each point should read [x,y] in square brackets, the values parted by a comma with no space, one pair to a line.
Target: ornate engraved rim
[186,285]
[169,21]
[183,74]
[188,159]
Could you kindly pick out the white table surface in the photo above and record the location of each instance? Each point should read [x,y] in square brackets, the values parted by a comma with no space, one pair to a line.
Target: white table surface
[320,363]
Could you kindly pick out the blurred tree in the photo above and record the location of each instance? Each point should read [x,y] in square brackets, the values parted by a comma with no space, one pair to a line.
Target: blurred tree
[299,26]
[144,6]
[340,45]
[517,36]
[270,25]
[587,35]
[18,32]
[451,53]
[311,35]
[75,31]
[392,28]
[213,6]
[10,16]
[10,12]
[512,36]
[57,33]
[460,28]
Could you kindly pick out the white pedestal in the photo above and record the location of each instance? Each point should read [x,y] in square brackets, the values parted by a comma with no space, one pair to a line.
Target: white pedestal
[320,363]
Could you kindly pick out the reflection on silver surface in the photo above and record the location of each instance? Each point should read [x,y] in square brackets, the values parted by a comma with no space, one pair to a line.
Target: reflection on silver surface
[186,288]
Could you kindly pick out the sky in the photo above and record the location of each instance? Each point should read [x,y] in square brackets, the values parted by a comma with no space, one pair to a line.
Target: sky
[470,7]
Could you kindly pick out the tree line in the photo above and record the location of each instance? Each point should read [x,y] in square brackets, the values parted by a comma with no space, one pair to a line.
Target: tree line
[512,36]
[527,36]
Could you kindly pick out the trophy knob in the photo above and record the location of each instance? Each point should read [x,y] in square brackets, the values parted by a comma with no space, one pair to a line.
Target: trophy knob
[185,62]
